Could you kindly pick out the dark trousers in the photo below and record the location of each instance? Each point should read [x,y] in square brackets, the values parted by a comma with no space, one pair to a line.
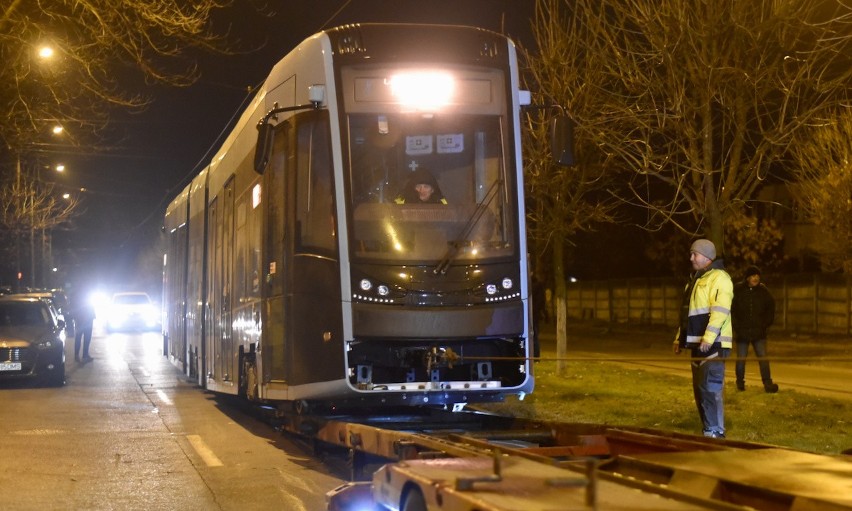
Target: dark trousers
[708,381]
[82,336]
[760,351]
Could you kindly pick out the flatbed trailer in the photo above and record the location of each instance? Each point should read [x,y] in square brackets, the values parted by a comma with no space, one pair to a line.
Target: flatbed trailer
[434,460]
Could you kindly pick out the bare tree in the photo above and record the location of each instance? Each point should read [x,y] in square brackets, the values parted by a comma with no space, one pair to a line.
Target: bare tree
[700,100]
[70,60]
[692,104]
[561,201]
[824,189]
[29,211]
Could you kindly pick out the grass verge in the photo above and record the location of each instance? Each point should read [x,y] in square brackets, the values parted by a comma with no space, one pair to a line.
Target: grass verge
[608,393]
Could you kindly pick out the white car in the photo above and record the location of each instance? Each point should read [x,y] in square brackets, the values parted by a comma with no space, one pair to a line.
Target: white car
[132,311]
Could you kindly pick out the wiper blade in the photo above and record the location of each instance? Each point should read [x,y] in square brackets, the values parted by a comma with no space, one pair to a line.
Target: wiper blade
[453,249]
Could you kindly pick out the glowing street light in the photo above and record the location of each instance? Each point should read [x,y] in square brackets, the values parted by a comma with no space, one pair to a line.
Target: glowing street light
[45,52]
[57,130]
[60,168]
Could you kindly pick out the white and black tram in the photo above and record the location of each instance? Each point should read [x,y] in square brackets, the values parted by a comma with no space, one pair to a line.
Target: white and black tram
[297,270]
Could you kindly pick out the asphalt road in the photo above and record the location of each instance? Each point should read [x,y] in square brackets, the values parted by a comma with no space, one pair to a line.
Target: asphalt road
[127,432]
[817,365]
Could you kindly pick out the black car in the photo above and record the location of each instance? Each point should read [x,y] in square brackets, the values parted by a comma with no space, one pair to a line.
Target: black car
[32,341]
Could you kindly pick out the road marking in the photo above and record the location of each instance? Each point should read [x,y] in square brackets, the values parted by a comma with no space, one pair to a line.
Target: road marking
[163,397]
[205,452]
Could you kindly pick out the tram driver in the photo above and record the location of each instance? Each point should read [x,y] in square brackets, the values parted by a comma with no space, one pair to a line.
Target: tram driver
[421,188]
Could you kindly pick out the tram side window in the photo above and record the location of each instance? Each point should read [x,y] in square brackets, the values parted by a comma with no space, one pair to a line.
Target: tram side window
[314,188]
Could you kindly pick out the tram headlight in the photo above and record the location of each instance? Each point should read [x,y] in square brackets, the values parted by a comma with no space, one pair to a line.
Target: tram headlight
[383,290]
[507,283]
[423,90]
[366,285]
[491,289]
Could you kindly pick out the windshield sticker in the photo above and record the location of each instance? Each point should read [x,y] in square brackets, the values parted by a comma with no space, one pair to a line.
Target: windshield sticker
[450,143]
[418,144]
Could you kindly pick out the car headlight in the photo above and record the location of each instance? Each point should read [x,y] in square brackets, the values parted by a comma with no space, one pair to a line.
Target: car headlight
[46,344]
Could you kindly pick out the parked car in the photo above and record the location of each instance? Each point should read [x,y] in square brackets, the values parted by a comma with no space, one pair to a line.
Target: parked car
[132,311]
[32,340]
[58,303]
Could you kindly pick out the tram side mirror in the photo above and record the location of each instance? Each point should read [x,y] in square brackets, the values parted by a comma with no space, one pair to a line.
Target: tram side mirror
[562,140]
[263,146]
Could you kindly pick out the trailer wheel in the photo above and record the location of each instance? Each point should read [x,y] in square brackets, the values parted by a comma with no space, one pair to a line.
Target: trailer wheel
[414,500]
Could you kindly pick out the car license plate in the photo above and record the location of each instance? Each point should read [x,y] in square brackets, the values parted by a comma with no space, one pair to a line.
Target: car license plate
[10,366]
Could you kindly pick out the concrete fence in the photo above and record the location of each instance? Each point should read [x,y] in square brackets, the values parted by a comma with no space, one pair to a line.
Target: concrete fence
[804,303]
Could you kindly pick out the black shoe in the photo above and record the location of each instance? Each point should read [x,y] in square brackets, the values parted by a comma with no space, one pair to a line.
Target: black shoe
[740,385]
[771,388]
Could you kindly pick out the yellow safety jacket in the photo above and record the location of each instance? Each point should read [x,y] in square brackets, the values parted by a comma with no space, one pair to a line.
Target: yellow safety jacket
[709,314]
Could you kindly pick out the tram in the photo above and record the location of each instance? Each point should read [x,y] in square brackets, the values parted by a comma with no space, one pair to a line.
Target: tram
[298,270]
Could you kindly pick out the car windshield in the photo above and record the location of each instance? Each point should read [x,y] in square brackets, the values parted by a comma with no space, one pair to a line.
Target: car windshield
[131,299]
[24,314]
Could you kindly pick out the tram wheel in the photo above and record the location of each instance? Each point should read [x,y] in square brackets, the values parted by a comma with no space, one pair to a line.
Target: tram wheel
[301,407]
[248,378]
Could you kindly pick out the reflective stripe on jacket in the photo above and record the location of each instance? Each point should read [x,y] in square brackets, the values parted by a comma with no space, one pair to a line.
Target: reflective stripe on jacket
[709,317]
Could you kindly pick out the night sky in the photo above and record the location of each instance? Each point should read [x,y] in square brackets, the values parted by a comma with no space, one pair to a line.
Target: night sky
[153,154]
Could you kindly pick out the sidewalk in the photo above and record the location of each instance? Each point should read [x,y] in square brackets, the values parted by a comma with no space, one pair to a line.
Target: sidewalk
[818,365]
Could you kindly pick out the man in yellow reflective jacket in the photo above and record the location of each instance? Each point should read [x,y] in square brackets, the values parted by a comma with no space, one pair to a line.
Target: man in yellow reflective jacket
[706,331]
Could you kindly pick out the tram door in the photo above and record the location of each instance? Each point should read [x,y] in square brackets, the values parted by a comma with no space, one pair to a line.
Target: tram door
[221,243]
[302,326]
[276,262]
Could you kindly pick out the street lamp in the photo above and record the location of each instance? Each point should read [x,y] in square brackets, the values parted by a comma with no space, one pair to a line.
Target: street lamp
[45,52]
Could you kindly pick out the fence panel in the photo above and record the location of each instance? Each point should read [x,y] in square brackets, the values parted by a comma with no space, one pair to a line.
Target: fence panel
[832,316]
[811,303]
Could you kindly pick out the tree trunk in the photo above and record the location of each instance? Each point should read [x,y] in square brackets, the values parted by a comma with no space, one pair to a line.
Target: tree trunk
[560,304]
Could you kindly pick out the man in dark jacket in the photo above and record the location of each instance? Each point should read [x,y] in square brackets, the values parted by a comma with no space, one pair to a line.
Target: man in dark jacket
[752,312]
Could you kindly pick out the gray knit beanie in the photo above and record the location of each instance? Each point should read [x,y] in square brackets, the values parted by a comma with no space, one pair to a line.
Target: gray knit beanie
[705,248]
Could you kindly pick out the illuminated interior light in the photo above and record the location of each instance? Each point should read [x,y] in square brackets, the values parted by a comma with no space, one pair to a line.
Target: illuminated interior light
[423,90]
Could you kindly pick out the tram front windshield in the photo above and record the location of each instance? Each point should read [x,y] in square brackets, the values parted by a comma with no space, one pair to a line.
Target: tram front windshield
[427,187]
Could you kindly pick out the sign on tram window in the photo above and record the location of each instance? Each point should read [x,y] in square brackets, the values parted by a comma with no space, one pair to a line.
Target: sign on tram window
[418,144]
[450,143]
